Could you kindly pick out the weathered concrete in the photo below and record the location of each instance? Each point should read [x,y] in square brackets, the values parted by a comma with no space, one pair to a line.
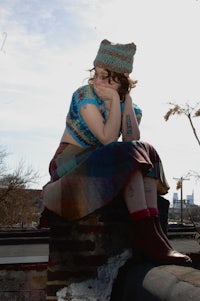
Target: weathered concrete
[99,287]
[27,253]
[145,282]
[173,283]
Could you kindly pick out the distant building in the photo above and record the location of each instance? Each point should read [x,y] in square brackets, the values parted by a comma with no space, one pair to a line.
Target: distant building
[176,201]
[188,201]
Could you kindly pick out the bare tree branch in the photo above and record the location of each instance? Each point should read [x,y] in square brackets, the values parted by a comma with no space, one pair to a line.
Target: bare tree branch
[15,197]
[187,110]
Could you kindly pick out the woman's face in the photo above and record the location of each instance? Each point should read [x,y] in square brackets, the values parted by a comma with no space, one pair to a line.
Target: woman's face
[101,76]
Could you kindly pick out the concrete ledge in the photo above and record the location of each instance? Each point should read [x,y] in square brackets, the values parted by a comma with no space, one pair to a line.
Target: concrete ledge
[173,283]
[145,282]
[24,259]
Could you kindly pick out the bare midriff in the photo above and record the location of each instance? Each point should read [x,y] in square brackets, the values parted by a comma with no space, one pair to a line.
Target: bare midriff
[67,138]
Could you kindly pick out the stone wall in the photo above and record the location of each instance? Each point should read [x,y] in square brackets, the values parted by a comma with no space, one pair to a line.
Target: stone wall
[85,255]
[23,282]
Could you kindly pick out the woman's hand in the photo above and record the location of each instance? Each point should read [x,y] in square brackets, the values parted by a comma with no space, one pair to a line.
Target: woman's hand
[105,130]
[107,91]
[128,98]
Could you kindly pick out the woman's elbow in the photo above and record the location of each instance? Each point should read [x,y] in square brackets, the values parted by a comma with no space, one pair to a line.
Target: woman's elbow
[108,139]
[137,135]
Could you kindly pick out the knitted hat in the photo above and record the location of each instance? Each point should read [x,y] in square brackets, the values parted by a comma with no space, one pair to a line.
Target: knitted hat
[115,57]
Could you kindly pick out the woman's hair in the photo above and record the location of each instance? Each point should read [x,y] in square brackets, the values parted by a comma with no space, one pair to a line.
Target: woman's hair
[126,83]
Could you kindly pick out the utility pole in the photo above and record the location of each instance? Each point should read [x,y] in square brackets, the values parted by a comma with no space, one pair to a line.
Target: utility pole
[180,185]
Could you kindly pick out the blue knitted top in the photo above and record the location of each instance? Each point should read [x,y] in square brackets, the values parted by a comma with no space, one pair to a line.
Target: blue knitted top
[76,125]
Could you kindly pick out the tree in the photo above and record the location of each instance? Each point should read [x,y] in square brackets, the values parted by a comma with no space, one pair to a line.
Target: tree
[3,154]
[190,112]
[15,197]
[187,110]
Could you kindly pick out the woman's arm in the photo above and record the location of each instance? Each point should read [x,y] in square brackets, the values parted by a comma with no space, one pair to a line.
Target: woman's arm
[130,128]
[105,131]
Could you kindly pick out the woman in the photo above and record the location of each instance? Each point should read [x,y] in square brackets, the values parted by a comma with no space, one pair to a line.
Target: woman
[91,167]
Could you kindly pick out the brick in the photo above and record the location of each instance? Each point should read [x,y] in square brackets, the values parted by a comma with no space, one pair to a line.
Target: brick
[91,260]
[90,228]
[53,288]
[72,245]
[69,274]
[24,267]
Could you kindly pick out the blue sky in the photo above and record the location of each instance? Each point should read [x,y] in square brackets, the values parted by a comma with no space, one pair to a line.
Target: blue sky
[47,46]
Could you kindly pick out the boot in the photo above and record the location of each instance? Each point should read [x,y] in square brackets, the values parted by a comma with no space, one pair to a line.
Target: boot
[160,230]
[151,245]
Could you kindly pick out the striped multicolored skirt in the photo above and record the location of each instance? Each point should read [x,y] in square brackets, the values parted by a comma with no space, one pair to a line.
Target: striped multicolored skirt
[83,180]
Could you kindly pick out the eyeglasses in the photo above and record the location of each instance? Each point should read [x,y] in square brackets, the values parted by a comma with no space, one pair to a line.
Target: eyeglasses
[95,75]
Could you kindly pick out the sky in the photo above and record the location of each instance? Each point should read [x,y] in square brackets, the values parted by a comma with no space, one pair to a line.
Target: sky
[46,48]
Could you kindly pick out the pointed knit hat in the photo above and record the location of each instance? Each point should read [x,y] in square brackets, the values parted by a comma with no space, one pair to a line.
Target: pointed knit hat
[115,57]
